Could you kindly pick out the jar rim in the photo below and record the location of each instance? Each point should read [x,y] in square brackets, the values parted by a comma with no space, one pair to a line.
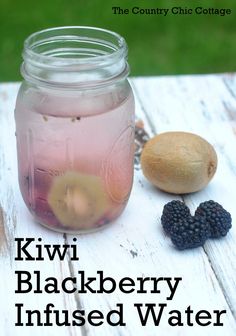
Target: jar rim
[75,57]
[115,44]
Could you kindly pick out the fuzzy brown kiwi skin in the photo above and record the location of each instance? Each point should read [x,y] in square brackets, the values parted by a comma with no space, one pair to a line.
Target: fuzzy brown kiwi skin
[178,162]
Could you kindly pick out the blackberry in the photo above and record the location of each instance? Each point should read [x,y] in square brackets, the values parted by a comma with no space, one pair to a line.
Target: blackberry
[173,212]
[216,216]
[190,232]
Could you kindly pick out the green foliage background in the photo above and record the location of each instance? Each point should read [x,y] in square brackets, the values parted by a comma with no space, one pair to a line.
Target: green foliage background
[157,44]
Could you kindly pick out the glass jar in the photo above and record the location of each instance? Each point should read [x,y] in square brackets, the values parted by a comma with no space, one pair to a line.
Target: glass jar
[75,128]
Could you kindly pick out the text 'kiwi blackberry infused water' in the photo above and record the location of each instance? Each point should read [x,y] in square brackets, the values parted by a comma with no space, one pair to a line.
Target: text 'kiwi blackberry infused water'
[75,128]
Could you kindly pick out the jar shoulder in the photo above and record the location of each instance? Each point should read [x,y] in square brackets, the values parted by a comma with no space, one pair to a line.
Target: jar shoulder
[65,102]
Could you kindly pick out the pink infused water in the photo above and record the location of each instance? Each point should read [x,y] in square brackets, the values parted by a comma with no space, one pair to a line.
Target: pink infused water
[75,157]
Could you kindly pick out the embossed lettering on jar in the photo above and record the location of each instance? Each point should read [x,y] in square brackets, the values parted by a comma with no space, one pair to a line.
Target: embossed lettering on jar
[75,128]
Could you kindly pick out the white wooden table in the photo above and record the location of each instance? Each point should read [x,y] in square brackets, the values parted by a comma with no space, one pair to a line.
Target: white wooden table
[135,245]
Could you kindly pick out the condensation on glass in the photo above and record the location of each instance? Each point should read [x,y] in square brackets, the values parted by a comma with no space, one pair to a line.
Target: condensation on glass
[75,128]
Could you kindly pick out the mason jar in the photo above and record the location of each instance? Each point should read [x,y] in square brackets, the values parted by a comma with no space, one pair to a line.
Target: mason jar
[75,128]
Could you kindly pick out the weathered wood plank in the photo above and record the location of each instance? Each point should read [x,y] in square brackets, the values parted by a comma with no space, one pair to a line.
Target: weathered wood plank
[206,106]
[134,245]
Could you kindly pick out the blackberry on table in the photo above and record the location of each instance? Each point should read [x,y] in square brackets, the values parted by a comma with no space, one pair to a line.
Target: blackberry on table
[216,216]
[173,212]
[189,233]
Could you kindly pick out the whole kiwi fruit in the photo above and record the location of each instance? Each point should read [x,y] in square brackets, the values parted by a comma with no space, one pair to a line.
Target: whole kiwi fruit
[178,162]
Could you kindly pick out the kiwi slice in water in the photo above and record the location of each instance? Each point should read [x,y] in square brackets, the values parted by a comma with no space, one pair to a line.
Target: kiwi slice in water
[77,200]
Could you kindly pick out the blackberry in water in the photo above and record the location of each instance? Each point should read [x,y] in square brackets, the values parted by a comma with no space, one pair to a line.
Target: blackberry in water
[216,216]
[189,233]
[173,212]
